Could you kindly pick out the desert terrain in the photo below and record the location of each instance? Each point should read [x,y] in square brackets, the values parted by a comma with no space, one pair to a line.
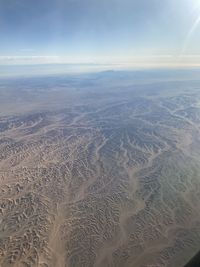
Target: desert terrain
[99,170]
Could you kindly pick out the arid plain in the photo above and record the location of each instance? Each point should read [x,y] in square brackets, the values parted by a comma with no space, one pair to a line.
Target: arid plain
[99,170]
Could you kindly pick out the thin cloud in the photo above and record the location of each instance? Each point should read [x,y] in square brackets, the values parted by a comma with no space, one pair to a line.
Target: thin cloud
[122,62]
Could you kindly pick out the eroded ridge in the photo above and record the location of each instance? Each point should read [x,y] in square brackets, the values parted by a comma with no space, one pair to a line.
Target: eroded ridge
[111,184]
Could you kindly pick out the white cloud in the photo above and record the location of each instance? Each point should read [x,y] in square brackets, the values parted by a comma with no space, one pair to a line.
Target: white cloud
[23,60]
[123,62]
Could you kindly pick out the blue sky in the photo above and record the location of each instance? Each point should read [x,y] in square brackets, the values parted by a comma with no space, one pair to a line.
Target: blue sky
[114,31]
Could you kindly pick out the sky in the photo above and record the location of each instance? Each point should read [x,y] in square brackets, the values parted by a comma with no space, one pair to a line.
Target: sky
[121,32]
